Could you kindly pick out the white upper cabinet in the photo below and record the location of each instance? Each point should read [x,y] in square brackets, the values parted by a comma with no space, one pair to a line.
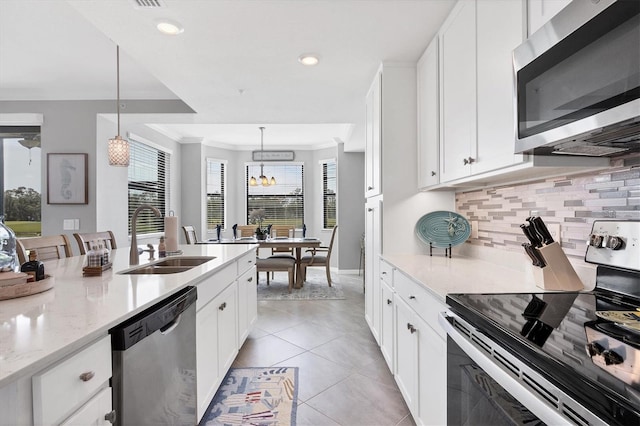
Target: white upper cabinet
[541,11]
[373,184]
[458,91]
[428,117]
[499,30]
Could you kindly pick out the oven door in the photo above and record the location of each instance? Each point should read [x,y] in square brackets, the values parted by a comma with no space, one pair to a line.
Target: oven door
[486,385]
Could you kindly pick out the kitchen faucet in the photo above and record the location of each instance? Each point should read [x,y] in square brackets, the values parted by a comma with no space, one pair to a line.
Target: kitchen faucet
[133,252]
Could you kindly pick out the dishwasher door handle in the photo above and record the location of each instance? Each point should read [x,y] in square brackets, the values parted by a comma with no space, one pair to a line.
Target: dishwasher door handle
[171,326]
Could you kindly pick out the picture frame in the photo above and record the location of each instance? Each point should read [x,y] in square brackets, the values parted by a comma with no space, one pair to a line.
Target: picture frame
[67,178]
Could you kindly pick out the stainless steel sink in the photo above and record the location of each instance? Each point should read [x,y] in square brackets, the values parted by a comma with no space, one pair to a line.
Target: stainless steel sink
[190,261]
[172,265]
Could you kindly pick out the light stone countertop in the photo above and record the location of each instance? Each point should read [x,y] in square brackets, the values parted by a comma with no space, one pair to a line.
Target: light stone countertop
[38,329]
[510,273]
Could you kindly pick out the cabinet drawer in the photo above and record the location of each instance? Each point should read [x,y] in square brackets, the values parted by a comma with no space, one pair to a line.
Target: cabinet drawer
[93,412]
[62,388]
[213,285]
[246,262]
[386,273]
[416,296]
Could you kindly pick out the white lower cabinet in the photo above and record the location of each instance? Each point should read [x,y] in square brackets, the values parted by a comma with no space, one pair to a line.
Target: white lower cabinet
[414,345]
[74,388]
[227,308]
[373,248]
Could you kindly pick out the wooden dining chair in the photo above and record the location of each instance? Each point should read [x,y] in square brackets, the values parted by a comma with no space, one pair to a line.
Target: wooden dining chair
[190,234]
[246,230]
[47,248]
[281,231]
[84,240]
[319,256]
[272,264]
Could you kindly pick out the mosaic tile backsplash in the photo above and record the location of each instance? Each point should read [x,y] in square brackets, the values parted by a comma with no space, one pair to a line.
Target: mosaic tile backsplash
[573,202]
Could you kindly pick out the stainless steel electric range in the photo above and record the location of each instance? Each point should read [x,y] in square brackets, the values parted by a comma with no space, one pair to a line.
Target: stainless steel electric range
[552,358]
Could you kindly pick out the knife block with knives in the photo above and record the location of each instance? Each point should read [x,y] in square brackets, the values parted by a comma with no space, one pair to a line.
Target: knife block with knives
[553,270]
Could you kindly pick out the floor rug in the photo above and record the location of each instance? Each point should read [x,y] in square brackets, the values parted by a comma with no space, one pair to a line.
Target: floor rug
[313,289]
[255,396]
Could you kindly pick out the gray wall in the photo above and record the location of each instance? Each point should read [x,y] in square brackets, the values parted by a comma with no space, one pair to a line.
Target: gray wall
[78,127]
[350,207]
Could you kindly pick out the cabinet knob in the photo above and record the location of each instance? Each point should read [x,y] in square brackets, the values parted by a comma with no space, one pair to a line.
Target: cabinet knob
[224,305]
[85,377]
[433,173]
[370,209]
[369,188]
[384,272]
[250,279]
[412,298]
[389,301]
[110,417]
[411,328]
[468,160]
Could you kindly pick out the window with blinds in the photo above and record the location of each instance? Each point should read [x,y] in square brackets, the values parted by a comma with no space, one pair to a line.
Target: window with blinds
[215,193]
[329,192]
[148,184]
[283,202]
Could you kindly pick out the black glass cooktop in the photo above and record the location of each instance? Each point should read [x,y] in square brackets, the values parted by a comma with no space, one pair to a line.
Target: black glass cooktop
[563,337]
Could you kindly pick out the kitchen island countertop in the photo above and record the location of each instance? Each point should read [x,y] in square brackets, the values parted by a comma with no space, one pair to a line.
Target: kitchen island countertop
[38,329]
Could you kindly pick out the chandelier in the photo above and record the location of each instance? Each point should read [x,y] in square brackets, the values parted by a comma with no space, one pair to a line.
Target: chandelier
[264,181]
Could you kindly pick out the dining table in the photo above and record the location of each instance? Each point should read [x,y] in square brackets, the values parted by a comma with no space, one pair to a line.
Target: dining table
[281,242]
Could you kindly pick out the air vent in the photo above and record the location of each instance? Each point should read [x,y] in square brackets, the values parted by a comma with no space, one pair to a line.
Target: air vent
[148,4]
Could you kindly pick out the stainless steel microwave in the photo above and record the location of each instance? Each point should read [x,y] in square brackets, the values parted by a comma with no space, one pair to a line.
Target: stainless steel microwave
[577,82]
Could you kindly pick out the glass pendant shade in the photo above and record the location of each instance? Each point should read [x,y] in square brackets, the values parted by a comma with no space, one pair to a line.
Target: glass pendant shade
[118,152]
[273,181]
[253,181]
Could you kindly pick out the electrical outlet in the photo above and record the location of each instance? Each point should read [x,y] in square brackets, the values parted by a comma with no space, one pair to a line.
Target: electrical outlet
[474,229]
[67,225]
[554,230]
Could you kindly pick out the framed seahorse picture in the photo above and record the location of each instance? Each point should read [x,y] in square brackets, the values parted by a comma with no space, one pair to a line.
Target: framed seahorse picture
[67,179]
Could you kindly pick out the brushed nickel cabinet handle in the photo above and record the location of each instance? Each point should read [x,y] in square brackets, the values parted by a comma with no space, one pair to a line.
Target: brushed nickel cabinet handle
[250,279]
[369,188]
[110,416]
[85,377]
[389,301]
[433,173]
[411,328]
[412,298]
[224,305]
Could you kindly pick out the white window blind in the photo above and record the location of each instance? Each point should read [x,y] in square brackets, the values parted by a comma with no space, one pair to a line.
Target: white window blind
[215,193]
[148,184]
[283,202]
[329,193]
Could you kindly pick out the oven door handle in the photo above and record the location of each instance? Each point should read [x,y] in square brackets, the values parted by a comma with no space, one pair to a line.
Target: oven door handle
[509,380]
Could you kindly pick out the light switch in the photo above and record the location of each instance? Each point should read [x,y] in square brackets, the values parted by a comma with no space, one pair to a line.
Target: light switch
[68,224]
[76,224]
[474,229]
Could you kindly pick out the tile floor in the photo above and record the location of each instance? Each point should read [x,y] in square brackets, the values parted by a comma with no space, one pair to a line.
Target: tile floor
[343,378]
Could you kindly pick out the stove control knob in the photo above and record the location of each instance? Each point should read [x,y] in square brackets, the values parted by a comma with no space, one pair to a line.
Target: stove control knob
[614,243]
[595,348]
[612,358]
[596,240]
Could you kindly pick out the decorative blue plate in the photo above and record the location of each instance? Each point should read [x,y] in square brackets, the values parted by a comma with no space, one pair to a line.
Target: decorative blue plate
[441,228]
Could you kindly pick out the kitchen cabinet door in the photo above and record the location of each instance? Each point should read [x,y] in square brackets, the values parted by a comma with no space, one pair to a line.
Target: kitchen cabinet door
[94,412]
[432,376]
[227,328]
[207,355]
[387,324]
[406,360]
[373,183]
[500,29]
[428,117]
[458,92]
[373,247]
[247,304]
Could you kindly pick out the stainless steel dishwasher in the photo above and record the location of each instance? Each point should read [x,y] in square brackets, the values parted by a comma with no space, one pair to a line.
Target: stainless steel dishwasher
[154,364]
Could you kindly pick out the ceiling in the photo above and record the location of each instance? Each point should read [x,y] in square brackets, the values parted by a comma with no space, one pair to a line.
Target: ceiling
[235,64]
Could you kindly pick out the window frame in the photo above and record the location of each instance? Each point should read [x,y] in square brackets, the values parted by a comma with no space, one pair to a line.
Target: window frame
[247,176]
[323,193]
[224,173]
[157,223]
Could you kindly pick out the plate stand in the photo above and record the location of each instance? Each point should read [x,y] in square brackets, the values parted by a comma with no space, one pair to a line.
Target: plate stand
[447,250]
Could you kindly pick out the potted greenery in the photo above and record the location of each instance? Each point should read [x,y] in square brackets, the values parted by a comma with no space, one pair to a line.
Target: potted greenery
[256,217]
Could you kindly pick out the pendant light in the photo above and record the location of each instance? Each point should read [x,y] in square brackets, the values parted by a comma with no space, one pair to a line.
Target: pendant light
[118,147]
[264,181]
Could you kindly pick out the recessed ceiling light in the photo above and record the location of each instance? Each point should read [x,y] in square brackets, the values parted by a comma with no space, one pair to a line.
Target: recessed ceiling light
[169,27]
[308,59]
